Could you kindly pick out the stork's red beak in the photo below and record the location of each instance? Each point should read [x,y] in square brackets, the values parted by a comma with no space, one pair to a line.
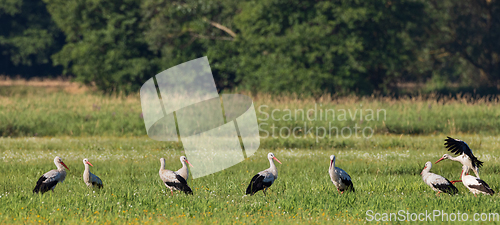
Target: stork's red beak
[64,165]
[439,160]
[331,163]
[277,160]
[89,163]
[189,163]
[422,170]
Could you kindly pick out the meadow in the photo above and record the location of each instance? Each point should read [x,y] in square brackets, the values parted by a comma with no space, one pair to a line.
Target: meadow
[36,124]
[385,172]
[69,110]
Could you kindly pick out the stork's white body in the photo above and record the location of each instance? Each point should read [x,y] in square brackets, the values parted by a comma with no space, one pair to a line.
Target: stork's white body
[339,177]
[49,180]
[184,170]
[466,157]
[174,180]
[464,160]
[264,179]
[437,182]
[474,184]
[90,179]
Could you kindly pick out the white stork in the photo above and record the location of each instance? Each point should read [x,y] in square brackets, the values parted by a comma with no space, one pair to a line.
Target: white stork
[184,171]
[264,179]
[173,180]
[474,184]
[90,179]
[437,182]
[466,158]
[339,177]
[49,180]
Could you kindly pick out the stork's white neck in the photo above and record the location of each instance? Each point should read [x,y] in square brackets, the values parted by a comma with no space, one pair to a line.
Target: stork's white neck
[184,171]
[60,166]
[464,172]
[460,158]
[426,170]
[272,167]
[332,164]
[162,166]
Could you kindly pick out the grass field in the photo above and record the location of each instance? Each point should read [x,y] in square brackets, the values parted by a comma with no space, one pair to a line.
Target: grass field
[27,111]
[385,171]
[38,122]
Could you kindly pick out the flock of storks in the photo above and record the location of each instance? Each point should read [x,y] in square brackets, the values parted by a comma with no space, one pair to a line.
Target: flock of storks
[177,180]
[468,161]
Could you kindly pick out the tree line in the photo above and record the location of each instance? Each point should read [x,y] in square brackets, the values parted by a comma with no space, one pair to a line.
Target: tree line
[273,46]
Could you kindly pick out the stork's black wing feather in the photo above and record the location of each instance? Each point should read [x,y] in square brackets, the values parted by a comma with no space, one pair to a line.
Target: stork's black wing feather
[448,188]
[42,186]
[483,187]
[181,185]
[256,184]
[458,147]
[98,185]
[348,184]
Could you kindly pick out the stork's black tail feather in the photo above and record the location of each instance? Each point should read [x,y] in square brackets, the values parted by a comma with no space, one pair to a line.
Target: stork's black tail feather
[182,186]
[42,187]
[98,185]
[255,185]
[448,187]
[348,184]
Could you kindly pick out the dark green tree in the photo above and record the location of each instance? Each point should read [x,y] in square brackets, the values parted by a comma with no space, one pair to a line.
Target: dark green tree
[313,47]
[28,37]
[105,43]
[179,31]
[471,30]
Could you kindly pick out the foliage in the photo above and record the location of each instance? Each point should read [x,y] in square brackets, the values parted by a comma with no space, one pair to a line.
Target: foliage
[305,47]
[181,31]
[105,46]
[334,47]
[28,37]
[470,29]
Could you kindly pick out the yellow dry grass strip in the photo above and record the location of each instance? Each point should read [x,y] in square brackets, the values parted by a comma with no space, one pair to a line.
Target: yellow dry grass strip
[51,84]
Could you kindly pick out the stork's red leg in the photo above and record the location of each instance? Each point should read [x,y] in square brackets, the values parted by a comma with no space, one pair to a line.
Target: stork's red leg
[455,181]
[171,192]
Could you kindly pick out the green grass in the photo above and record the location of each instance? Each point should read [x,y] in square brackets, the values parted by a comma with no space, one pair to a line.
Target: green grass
[385,171]
[38,111]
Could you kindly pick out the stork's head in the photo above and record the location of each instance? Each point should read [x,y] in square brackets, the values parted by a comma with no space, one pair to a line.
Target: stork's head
[271,156]
[445,156]
[184,159]
[86,161]
[428,166]
[332,160]
[58,161]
